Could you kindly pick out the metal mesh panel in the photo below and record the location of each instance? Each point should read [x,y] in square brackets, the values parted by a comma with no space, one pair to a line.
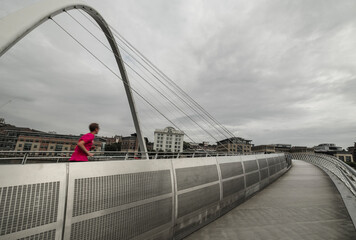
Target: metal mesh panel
[272,170]
[252,179]
[194,200]
[264,173]
[231,169]
[49,235]
[262,163]
[27,206]
[233,186]
[98,193]
[124,224]
[250,166]
[284,164]
[195,176]
[270,161]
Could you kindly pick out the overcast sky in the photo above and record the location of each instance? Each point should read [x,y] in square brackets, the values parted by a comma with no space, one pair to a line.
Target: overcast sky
[277,71]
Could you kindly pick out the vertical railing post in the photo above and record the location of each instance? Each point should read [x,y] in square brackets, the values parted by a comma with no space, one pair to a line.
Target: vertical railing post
[24,159]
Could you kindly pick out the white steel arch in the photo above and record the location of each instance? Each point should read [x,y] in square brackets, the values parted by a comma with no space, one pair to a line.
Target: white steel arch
[17,25]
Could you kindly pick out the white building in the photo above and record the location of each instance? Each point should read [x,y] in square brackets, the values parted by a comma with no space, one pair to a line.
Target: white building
[327,147]
[168,140]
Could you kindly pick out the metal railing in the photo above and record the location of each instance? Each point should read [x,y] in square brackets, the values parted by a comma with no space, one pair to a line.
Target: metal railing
[332,164]
[158,199]
[23,157]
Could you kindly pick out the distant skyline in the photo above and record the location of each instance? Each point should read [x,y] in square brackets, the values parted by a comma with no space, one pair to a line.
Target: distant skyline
[277,71]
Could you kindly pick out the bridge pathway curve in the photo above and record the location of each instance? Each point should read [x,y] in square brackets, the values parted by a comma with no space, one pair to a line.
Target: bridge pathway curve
[302,204]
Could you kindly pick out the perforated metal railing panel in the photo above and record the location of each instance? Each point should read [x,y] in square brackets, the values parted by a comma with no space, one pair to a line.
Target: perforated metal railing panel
[48,235]
[264,173]
[27,206]
[119,199]
[262,163]
[252,178]
[231,169]
[239,178]
[32,199]
[124,224]
[250,166]
[233,186]
[194,176]
[97,193]
[197,199]
[126,199]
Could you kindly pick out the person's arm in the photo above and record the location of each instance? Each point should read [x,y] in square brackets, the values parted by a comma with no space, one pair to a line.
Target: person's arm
[82,147]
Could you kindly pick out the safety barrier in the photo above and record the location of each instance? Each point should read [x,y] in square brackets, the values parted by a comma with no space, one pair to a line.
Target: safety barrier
[138,199]
[24,157]
[329,163]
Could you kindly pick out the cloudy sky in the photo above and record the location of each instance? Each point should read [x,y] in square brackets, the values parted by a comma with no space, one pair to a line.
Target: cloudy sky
[277,71]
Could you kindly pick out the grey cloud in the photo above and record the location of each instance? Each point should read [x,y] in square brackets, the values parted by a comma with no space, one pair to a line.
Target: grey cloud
[276,71]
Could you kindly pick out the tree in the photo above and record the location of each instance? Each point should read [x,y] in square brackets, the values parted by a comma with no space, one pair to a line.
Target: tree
[186,145]
[352,164]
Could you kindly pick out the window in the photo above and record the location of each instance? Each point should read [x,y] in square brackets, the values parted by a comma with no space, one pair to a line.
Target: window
[341,158]
[59,147]
[27,146]
[20,145]
[348,158]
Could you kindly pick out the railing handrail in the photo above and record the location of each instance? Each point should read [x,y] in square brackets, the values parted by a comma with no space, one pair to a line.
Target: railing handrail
[55,156]
[337,167]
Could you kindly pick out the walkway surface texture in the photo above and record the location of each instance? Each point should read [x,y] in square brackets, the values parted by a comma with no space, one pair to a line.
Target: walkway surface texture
[302,204]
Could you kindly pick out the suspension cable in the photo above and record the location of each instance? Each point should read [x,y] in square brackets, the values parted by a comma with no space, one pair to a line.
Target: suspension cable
[108,68]
[164,96]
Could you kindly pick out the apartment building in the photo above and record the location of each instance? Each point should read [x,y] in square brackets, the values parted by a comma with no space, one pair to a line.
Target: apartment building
[168,140]
[234,145]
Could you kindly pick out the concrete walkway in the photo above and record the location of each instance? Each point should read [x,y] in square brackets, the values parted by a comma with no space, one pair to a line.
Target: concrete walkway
[302,204]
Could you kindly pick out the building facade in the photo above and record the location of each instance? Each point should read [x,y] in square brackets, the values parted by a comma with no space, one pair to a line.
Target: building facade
[282,148]
[234,145]
[49,142]
[203,146]
[352,150]
[327,148]
[344,156]
[168,140]
[131,144]
[9,135]
[263,149]
[301,149]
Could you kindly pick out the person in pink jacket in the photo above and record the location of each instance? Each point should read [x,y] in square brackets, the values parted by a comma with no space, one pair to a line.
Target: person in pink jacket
[81,151]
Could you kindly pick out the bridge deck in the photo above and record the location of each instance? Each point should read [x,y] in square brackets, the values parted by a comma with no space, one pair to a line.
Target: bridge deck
[302,204]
